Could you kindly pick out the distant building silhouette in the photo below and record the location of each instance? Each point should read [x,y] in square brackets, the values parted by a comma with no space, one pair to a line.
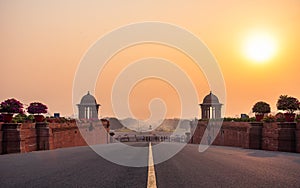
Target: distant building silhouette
[88,107]
[211,107]
[56,115]
[244,116]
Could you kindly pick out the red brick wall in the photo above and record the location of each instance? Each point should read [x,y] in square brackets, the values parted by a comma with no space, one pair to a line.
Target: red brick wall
[66,135]
[268,136]
[198,132]
[272,136]
[69,135]
[231,133]
[32,137]
[28,134]
[67,138]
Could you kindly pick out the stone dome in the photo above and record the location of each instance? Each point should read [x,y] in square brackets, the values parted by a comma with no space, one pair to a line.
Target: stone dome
[211,99]
[88,99]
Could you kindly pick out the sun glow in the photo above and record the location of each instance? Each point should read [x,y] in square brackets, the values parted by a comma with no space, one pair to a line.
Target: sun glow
[260,48]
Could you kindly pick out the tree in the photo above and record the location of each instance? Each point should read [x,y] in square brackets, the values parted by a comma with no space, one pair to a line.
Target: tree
[261,108]
[288,104]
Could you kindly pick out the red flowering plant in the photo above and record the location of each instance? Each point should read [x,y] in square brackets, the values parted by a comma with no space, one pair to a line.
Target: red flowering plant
[37,108]
[11,106]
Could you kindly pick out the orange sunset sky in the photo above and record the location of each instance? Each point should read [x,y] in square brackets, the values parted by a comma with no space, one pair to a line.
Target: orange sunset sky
[42,43]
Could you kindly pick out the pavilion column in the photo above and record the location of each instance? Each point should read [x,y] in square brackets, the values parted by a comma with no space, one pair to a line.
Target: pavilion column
[208,117]
[95,113]
[208,113]
[86,116]
[79,112]
[82,112]
[219,112]
[90,112]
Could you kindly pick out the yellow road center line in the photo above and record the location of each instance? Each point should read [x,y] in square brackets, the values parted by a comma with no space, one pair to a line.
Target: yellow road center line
[151,171]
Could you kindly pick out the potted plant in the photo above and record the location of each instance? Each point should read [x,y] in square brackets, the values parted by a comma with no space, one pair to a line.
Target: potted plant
[280,117]
[260,109]
[289,105]
[9,107]
[37,109]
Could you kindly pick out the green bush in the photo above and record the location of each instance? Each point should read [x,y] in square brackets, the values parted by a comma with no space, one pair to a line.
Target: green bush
[239,119]
[22,118]
[269,118]
[19,118]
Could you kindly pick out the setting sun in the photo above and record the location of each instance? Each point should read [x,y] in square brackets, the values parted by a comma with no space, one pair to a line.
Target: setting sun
[260,47]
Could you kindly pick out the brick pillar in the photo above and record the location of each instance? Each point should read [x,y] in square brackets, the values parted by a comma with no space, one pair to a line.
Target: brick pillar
[254,136]
[44,136]
[286,136]
[297,134]
[270,136]
[1,136]
[12,142]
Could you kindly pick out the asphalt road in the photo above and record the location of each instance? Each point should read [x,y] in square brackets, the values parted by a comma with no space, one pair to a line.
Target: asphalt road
[229,167]
[216,167]
[68,167]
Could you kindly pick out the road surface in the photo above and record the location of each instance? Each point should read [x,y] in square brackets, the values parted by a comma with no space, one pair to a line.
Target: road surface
[216,167]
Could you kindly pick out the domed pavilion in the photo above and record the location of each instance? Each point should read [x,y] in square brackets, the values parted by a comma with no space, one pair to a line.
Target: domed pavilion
[211,107]
[88,107]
